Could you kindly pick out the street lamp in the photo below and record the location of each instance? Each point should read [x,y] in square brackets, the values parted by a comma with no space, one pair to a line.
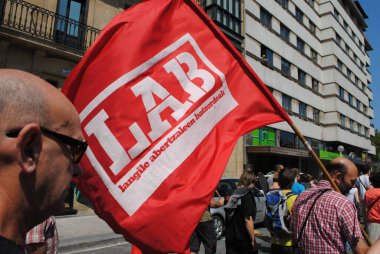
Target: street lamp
[340,150]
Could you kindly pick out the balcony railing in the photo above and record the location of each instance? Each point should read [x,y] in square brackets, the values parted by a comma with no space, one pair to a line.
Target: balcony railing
[41,23]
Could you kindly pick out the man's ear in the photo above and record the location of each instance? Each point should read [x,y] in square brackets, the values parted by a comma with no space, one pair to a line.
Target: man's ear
[337,177]
[29,146]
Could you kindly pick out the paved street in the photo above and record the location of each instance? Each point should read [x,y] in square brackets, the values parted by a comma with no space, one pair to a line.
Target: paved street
[125,248]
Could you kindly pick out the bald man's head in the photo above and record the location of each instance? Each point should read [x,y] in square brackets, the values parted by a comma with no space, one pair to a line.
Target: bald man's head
[36,159]
[21,99]
[344,173]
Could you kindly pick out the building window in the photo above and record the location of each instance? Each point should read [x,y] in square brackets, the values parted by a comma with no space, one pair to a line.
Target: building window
[283,3]
[287,139]
[315,144]
[314,55]
[355,58]
[350,99]
[347,49]
[349,73]
[351,124]
[311,2]
[69,30]
[357,105]
[356,81]
[341,93]
[316,115]
[284,32]
[338,39]
[340,65]
[299,15]
[300,45]
[285,66]
[301,77]
[312,27]
[315,85]
[365,108]
[342,120]
[287,102]
[266,55]
[227,14]
[302,109]
[366,133]
[359,128]
[336,14]
[345,25]
[266,18]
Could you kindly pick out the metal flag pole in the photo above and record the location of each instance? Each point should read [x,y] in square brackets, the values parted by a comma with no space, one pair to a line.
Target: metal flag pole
[326,174]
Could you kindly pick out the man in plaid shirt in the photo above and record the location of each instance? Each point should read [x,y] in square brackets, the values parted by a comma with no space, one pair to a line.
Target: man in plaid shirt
[332,221]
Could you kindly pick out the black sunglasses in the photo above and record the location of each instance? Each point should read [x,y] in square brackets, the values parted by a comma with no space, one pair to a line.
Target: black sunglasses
[78,147]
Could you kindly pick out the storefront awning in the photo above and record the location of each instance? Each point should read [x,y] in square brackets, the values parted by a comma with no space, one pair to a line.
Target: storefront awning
[278,151]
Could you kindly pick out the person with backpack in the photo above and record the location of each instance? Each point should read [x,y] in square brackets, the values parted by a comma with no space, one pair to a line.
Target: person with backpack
[279,205]
[240,213]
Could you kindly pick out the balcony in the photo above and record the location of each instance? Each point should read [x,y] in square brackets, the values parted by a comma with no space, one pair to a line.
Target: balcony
[31,20]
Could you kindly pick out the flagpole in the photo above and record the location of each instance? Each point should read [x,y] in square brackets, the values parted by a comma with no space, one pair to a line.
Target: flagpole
[326,174]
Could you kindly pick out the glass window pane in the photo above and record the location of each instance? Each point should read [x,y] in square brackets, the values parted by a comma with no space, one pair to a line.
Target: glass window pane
[62,9]
[218,15]
[287,139]
[237,8]
[75,8]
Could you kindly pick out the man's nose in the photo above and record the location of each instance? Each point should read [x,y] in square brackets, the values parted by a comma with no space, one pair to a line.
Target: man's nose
[77,170]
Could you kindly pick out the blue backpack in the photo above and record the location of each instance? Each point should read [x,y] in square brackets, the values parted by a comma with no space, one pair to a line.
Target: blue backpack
[277,215]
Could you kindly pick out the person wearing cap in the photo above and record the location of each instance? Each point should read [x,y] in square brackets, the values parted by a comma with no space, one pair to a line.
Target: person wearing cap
[40,144]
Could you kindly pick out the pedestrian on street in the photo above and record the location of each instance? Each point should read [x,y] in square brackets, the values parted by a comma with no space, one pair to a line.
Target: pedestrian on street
[297,187]
[240,231]
[43,238]
[40,141]
[323,220]
[205,232]
[372,203]
[277,169]
[279,205]
[305,180]
[363,184]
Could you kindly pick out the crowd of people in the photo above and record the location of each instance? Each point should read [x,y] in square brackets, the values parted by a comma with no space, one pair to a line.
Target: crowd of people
[303,216]
[41,144]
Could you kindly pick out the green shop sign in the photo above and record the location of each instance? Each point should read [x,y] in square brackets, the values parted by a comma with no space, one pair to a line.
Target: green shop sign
[325,155]
[264,137]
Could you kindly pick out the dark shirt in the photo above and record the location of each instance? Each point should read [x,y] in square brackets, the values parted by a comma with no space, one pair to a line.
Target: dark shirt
[9,247]
[235,227]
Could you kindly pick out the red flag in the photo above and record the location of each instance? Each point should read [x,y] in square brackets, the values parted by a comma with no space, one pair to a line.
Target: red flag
[135,250]
[163,97]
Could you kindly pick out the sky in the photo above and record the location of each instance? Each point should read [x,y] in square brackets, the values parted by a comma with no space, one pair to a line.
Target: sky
[372,9]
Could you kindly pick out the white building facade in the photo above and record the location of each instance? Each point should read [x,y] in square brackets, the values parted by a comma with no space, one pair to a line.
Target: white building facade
[312,54]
